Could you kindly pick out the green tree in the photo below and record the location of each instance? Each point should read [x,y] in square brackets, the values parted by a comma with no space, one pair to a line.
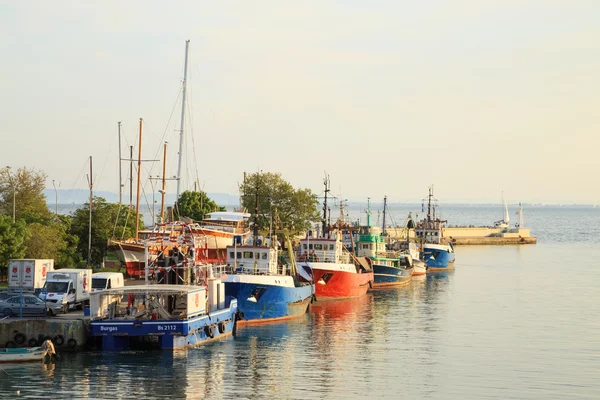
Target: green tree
[12,240]
[195,205]
[295,208]
[109,220]
[27,186]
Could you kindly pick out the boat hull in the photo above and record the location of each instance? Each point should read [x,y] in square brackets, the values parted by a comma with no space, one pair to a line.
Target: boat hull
[438,257]
[420,268]
[171,334]
[261,303]
[387,275]
[22,355]
[335,283]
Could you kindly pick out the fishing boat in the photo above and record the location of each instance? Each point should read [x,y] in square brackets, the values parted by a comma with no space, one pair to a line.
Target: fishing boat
[390,267]
[220,227]
[337,272]
[27,354]
[267,285]
[181,304]
[437,255]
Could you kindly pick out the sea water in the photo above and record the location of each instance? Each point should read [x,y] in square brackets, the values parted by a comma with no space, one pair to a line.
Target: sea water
[510,322]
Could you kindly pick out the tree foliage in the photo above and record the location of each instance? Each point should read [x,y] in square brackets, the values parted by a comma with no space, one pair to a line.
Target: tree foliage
[29,199]
[12,239]
[108,221]
[295,208]
[195,205]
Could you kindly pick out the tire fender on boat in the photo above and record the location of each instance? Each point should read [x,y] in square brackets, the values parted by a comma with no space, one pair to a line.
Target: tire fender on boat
[19,338]
[72,343]
[208,331]
[240,315]
[222,327]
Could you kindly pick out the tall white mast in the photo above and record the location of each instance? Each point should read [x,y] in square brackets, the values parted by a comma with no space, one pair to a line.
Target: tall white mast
[187,43]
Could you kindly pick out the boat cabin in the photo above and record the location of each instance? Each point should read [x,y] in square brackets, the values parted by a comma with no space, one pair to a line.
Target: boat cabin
[226,221]
[253,259]
[430,231]
[323,249]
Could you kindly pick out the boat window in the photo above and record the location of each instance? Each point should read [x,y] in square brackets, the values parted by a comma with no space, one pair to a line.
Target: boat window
[231,254]
[310,246]
[318,246]
[248,254]
[304,246]
[264,256]
[365,246]
[331,247]
[257,256]
[239,254]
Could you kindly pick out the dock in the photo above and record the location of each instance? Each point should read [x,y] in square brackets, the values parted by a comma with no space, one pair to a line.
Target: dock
[462,236]
[68,332]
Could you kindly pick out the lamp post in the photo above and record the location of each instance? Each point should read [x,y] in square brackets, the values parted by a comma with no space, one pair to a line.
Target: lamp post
[56,196]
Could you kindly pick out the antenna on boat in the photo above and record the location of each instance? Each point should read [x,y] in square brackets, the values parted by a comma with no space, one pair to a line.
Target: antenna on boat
[255,233]
[368,211]
[187,44]
[327,190]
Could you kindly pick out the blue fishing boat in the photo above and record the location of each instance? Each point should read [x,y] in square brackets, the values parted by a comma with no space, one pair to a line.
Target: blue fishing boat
[437,253]
[267,285]
[390,268]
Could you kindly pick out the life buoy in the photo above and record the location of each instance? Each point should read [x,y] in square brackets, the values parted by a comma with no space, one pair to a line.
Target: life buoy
[222,327]
[32,342]
[72,343]
[20,338]
[59,340]
[208,331]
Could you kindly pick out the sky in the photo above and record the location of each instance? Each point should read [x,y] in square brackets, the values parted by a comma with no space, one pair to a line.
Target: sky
[386,97]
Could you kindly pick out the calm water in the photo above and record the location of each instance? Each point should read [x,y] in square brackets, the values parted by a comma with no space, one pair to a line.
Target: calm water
[509,322]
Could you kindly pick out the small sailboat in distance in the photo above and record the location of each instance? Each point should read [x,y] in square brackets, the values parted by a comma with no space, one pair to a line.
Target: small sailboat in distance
[503,223]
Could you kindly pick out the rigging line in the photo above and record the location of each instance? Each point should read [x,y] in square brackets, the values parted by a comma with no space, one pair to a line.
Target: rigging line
[105,162]
[116,221]
[197,177]
[162,139]
[78,179]
[126,221]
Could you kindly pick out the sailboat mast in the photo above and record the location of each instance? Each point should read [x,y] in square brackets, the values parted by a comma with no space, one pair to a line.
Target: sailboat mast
[130,177]
[91,184]
[120,174]
[384,207]
[187,43]
[137,202]
[162,198]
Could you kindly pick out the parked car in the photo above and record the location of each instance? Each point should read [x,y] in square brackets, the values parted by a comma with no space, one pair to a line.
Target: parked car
[32,305]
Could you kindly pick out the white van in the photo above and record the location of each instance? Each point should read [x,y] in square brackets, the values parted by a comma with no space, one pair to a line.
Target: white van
[107,280]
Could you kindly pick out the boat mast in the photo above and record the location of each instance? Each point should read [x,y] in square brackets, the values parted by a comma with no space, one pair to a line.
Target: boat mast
[91,185]
[327,190]
[255,230]
[120,174]
[384,207]
[137,202]
[162,193]
[368,211]
[187,43]
[130,177]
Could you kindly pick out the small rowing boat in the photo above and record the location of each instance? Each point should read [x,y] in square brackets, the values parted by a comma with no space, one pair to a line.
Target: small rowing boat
[10,355]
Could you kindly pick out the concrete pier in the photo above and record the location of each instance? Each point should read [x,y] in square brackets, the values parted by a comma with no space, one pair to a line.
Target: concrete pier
[66,334]
[476,235]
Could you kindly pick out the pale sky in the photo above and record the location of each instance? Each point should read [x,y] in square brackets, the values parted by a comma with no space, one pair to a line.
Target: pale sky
[388,97]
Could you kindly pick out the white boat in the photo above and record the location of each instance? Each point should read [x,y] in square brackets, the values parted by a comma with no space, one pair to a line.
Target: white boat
[503,223]
[12,355]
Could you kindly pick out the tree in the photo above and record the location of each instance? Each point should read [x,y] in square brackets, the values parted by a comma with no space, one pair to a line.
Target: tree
[12,240]
[295,208]
[195,205]
[109,220]
[29,200]
[52,239]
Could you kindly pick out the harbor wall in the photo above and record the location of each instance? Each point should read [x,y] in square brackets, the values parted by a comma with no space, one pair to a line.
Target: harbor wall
[74,332]
[476,235]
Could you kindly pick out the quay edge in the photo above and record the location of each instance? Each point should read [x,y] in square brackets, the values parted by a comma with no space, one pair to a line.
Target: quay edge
[66,334]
